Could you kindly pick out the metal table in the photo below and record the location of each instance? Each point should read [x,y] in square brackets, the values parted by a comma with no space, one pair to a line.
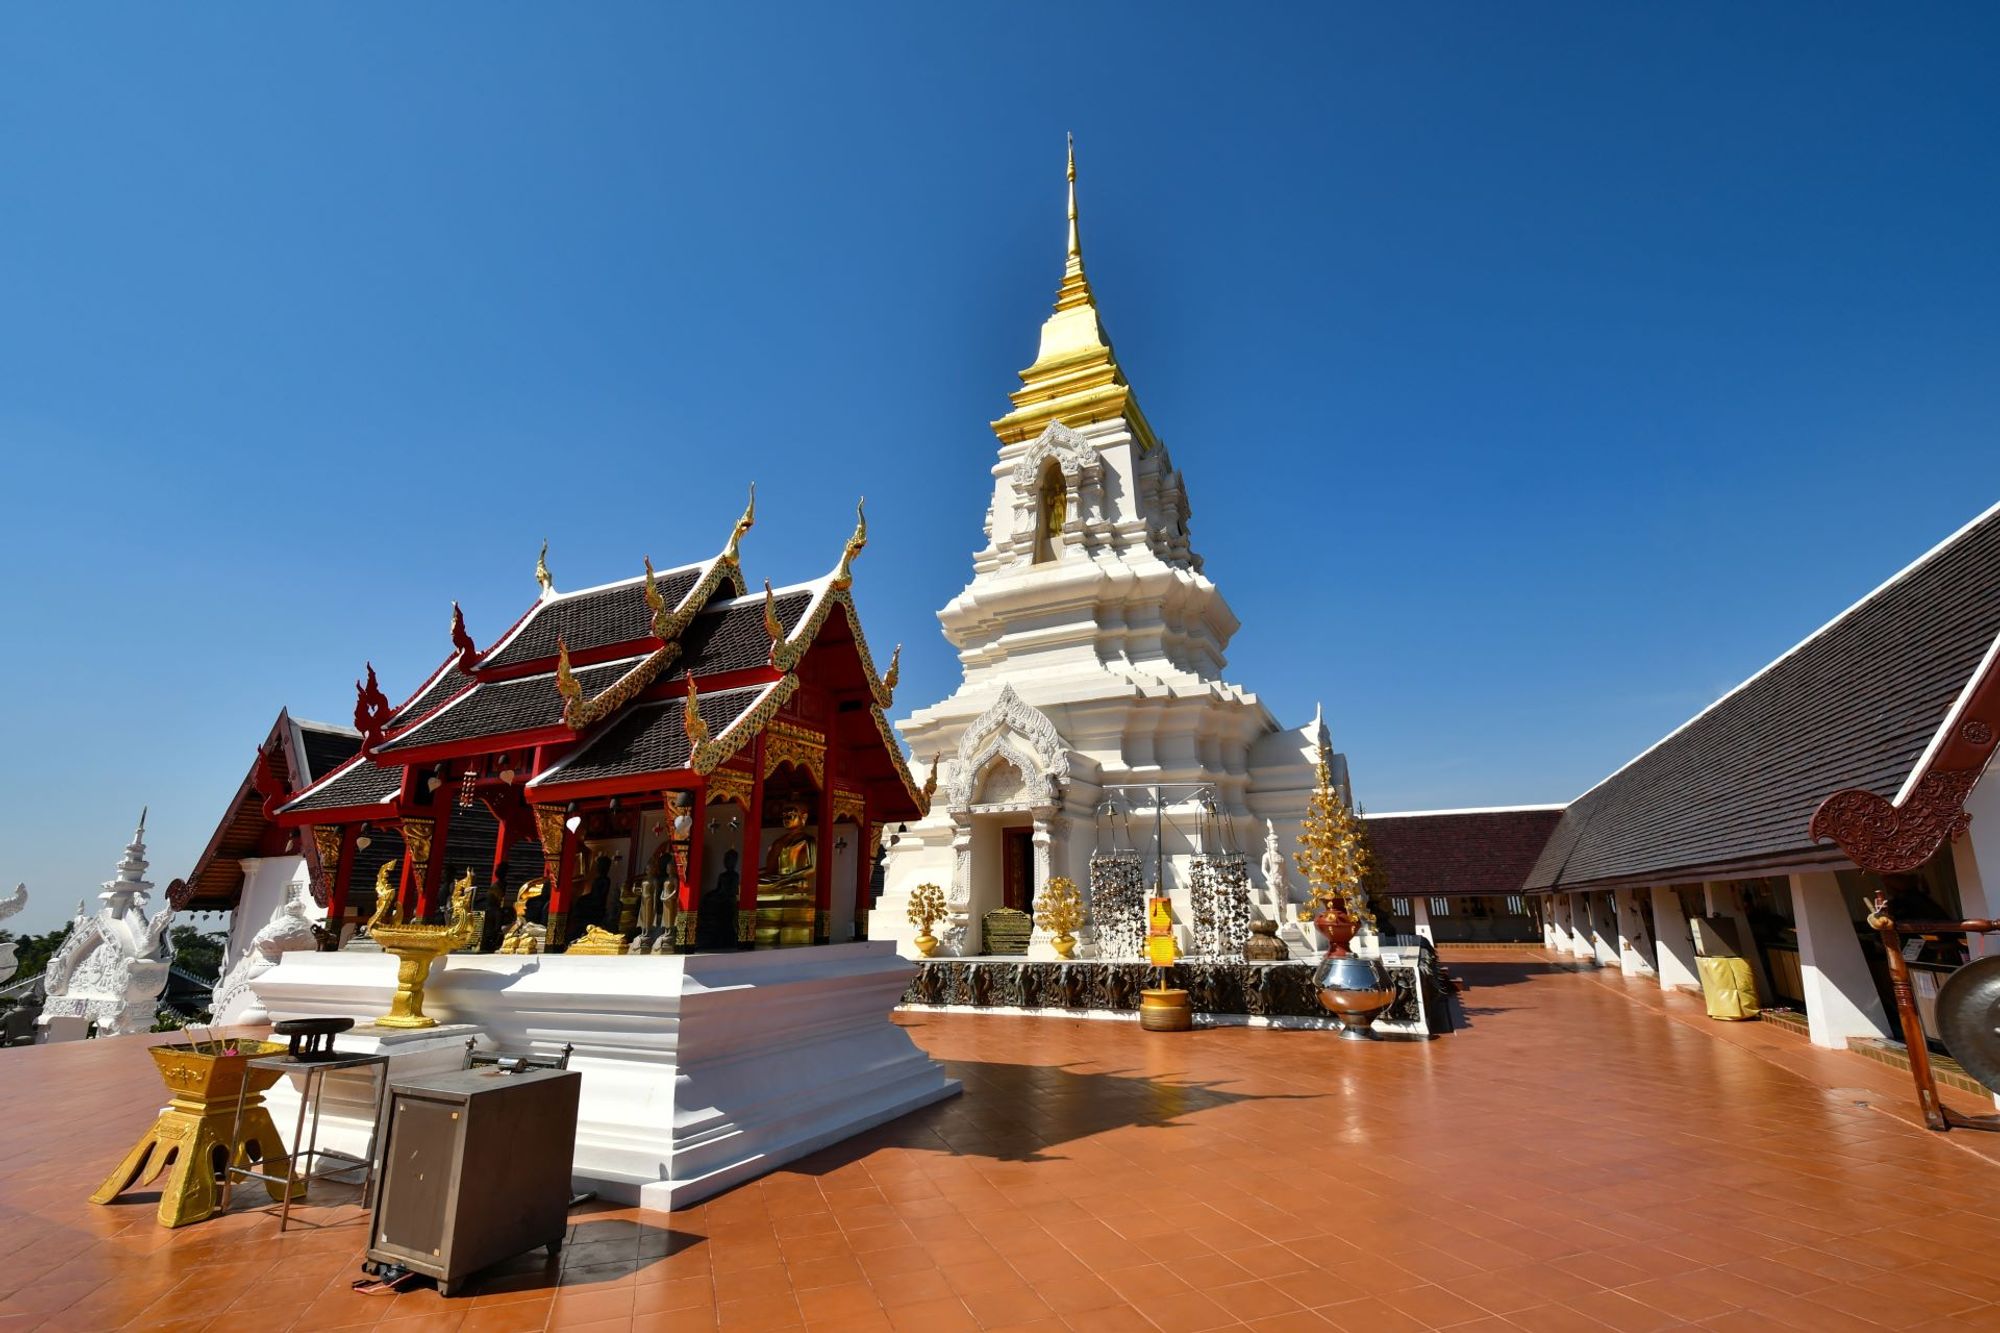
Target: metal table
[299,1165]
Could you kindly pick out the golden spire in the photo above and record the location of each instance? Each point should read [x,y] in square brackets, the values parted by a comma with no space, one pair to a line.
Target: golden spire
[542,571]
[1076,378]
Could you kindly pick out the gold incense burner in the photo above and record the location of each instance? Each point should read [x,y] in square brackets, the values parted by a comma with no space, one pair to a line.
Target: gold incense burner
[416,947]
[191,1139]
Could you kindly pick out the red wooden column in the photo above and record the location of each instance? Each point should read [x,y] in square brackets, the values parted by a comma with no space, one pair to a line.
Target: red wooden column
[751,862]
[502,837]
[433,874]
[864,867]
[823,854]
[343,875]
[418,831]
[563,894]
[690,885]
[550,832]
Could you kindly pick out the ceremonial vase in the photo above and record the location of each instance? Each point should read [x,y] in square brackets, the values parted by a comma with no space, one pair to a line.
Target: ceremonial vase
[1354,990]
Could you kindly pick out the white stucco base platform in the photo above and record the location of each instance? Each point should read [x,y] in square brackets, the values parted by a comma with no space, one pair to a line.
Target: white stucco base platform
[699,1071]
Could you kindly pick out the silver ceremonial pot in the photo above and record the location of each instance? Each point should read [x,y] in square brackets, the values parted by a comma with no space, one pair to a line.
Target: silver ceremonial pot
[1355,991]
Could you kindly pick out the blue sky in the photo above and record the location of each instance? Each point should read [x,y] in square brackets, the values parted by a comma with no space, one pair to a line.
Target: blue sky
[1537,371]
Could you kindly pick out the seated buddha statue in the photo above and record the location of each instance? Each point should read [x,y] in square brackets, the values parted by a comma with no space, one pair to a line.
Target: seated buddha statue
[785,884]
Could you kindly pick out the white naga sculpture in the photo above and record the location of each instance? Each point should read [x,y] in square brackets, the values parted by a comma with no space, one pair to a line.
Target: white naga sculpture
[290,929]
[8,907]
[111,967]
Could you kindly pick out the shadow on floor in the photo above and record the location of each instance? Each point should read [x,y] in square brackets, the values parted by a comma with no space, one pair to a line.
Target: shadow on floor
[597,1251]
[1015,1113]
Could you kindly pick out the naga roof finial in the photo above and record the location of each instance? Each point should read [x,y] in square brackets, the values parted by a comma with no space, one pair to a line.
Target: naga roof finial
[743,525]
[461,640]
[843,573]
[542,571]
[655,599]
[772,625]
[691,720]
[567,684]
[895,671]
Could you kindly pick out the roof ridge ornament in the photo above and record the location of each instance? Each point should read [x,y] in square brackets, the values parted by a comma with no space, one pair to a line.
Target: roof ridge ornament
[542,572]
[468,652]
[895,671]
[656,601]
[371,710]
[843,573]
[743,525]
[567,684]
[772,625]
[692,724]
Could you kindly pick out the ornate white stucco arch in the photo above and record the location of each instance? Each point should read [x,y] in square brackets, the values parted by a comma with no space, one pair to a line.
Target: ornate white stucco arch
[1017,735]
[1081,468]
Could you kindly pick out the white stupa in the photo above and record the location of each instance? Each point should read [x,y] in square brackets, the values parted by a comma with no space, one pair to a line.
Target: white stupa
[1092,646]
[112,967]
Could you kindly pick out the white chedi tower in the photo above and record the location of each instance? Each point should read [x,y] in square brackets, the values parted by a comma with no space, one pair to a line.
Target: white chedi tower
[1092,646]
[8,907]
[112,967]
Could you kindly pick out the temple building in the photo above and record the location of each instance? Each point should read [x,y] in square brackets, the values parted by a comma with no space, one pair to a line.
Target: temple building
[1766,825]
[1093,716]
[683,762]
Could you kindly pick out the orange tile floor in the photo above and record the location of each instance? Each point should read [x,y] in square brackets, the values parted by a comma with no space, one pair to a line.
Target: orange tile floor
[1581,1156]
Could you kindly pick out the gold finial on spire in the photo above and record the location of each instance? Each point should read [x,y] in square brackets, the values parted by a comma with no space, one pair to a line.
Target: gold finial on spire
[743,525]
[1076,379]
[843,573]
[542,571]
[1075,244]
[772,625]
[691,723]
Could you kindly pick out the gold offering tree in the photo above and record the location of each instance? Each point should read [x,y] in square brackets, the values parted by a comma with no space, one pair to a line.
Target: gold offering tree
[1060,912]
[1333,853]
[926,910]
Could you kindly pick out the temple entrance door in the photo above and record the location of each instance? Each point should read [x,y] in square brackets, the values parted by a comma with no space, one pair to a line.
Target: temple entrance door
[1017,868]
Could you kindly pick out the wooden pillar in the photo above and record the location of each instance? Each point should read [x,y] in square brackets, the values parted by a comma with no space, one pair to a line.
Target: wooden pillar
[502,836]
[340,871]
[417,835]
[433,874]
[823,854]
[690,885]
[753,849]
[864,866]
[549,831]
[562,893]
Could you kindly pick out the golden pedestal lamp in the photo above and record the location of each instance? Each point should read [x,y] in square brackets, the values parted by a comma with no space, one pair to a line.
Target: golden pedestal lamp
[416,947]
[191,1139]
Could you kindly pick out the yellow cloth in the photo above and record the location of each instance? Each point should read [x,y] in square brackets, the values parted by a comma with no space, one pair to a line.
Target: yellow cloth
[1729,987]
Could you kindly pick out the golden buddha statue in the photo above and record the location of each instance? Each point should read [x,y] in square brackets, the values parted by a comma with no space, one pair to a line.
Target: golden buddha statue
[785,885]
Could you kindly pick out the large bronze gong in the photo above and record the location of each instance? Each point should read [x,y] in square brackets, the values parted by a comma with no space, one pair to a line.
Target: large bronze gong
[1968,1015]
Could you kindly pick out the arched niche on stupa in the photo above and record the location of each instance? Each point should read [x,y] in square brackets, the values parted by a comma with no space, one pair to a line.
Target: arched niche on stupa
[1056,484]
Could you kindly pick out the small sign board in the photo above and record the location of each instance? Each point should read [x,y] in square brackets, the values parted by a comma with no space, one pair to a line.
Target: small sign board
[1913,947]
[1160,950]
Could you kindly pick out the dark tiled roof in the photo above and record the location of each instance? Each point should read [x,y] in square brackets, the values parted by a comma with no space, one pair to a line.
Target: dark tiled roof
[327,748]
[496,707]
[440,688]
[1852,706]
[1457,852]
[365,783]
[650,737]
[593,619]
[730,636]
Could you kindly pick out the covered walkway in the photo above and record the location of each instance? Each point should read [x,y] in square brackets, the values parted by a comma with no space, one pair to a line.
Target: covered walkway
[1582,1155]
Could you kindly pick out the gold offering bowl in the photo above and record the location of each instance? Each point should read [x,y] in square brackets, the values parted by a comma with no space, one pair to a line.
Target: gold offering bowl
[416,948]
[192,1136]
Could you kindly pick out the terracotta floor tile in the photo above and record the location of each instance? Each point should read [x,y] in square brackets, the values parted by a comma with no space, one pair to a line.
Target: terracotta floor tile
[1586,1154]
